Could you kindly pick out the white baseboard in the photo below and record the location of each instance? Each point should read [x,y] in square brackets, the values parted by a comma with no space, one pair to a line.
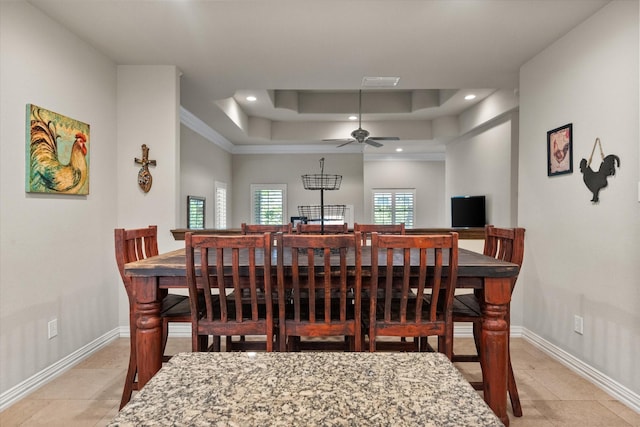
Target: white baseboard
[608,385]
[29,385]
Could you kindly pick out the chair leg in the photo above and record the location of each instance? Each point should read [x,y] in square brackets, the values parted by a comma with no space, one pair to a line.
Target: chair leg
[477,339]
[130,382]
[165,333]
[513,392]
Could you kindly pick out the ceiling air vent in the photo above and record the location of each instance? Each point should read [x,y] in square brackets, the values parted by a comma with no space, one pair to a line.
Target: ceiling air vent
[380,81]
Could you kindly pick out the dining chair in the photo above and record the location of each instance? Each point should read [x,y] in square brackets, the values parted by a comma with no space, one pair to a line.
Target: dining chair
[400,264]
[229,314]
[506,244]
[134,245]
[317,228]
[242,343]
[314,298]
[366,230]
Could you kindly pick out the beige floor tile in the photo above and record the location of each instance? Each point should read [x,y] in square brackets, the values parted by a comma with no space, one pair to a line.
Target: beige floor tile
[531,417]
[624,412]
[21,411]
[567,385]
[571,413]
[71,413]
[113,356]
[531,389]
[79,384]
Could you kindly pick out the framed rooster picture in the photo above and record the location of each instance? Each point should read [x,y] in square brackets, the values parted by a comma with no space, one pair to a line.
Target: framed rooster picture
[560,150]
[57,153]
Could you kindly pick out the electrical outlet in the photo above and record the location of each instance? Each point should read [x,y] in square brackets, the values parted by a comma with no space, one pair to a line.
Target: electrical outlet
[578,324]
[53,328]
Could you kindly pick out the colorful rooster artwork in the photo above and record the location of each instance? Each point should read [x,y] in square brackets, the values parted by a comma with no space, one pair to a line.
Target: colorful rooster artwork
[57,153]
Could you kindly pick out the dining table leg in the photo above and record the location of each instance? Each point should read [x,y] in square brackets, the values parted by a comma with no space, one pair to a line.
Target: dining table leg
[149,328]
[495,343]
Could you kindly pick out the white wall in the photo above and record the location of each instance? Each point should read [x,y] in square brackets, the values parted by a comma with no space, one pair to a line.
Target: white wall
[287,169]
[57,251]
[427,177]
[580,258]
[202,163]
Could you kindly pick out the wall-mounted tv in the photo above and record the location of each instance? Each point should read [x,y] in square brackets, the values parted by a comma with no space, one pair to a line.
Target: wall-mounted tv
[468,211]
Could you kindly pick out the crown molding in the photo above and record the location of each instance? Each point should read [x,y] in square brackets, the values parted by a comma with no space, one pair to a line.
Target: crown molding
[201,128]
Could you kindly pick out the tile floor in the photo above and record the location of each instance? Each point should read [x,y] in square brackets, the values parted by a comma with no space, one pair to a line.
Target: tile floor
[551,395]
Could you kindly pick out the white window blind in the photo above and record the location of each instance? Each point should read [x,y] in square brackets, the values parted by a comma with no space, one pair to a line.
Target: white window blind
[394,206]
[268,202]
[221,205]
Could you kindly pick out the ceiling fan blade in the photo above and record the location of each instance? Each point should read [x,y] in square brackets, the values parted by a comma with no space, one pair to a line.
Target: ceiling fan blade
[372,142]
[348,141]
[338,139]
[385,138]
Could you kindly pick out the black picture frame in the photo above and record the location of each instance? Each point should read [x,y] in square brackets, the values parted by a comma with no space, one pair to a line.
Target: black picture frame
[195,212]
[560,150]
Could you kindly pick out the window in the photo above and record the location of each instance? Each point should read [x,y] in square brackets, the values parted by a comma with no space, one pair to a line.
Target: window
[195,212]
[221,205]
[268,203]
[394,206]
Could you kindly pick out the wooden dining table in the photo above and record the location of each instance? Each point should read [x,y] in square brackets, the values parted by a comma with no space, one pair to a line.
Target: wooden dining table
[152,276]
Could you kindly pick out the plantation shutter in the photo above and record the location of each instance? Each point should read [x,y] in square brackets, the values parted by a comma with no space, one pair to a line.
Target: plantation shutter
[221,206]
[394,207]
[268,204]
[404,208]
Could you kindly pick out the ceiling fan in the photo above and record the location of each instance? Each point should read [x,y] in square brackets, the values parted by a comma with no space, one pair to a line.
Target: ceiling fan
[362,135]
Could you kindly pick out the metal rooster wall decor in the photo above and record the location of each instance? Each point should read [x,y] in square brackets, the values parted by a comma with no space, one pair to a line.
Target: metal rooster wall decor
[596,181]
[144,176]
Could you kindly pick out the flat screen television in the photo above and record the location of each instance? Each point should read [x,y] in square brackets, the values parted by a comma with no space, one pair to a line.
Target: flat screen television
[468,211]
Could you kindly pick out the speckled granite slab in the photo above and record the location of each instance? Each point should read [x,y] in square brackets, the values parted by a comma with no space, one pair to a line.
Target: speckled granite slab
[307,389]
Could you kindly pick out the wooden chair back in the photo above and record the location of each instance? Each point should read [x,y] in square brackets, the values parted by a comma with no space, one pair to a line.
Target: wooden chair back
[237,313]
[400,263]
[366,230]
[265,228]
[317,228]
[134,245]
[505,244]
[314,298]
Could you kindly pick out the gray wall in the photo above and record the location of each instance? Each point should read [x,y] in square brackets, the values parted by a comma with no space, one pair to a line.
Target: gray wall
[287,169]
[580,258]
[57,251]
[427,177]
[201,165]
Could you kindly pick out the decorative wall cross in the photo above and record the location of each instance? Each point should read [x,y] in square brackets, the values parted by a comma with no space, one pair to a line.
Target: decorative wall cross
[144,176]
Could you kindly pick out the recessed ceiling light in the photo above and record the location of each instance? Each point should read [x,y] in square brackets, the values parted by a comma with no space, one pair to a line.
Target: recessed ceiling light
[380,81]
[251,98]
[470,97]
[353,117]
[398,149]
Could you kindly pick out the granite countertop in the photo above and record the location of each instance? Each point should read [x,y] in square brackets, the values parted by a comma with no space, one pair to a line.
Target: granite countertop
[307,389]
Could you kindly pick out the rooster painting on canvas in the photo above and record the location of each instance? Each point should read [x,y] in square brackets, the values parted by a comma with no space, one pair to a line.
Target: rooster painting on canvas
[57,153]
